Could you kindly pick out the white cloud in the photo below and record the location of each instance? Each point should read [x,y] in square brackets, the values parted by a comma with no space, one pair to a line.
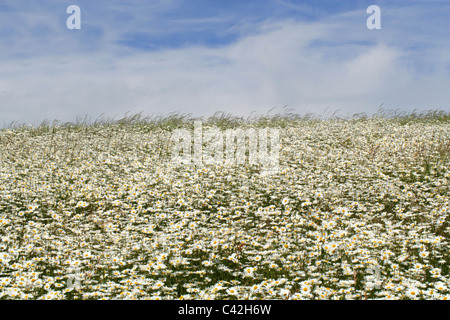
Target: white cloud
[306,65]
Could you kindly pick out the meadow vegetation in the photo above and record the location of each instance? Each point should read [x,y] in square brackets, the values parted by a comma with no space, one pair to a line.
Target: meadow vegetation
[97,210]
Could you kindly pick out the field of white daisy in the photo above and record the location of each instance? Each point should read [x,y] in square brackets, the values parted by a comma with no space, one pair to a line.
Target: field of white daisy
[358,210]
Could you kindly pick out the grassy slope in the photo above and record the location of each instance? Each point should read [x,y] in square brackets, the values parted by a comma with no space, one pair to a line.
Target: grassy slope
[103,200]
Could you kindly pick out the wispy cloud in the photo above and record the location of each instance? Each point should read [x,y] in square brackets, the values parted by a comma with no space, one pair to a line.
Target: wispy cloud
[168,56]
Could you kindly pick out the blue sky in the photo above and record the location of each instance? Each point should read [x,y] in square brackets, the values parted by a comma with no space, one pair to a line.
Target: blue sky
[203,56]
